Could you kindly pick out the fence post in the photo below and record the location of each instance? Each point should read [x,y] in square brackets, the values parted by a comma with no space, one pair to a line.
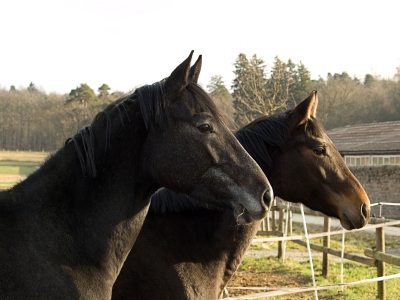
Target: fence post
[380,246]
[273,209]
[281,253]
[290,222]
[326,243]
[265,224]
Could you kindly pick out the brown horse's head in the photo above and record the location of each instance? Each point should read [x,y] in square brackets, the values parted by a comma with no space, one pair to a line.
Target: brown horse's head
[315,174]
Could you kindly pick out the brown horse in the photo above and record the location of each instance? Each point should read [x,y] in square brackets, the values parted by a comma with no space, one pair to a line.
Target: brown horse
[189,251]
[66,230]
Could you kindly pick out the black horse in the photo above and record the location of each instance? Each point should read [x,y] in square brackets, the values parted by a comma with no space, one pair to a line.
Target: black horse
[66,230]
[191,251]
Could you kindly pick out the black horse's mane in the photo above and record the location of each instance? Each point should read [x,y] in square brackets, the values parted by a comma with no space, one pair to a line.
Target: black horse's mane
[154,107]
[254,137]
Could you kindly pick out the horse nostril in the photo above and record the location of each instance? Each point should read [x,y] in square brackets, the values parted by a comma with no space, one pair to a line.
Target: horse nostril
[267,197]
[364,211]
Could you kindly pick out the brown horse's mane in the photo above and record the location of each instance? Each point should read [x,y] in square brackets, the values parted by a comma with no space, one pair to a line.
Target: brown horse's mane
[264,132]
[165,200]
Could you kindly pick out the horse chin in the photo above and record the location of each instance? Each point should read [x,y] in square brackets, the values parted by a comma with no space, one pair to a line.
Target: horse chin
[348,223]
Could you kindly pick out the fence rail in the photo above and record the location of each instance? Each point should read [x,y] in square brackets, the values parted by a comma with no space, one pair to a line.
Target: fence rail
[374,258]
[349,256]
[387,258]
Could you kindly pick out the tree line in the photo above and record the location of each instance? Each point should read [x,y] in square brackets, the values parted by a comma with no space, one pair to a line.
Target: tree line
[343,100]
[31,119]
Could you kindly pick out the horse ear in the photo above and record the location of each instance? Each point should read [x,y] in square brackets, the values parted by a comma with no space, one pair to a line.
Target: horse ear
[195,70]
[179,78]
[303,111]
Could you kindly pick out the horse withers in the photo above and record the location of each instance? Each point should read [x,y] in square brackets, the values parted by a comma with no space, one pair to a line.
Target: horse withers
[189,251]
[66,230]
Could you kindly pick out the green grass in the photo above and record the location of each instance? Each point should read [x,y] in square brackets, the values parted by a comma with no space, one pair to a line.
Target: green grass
[351,272]
[354,243]
[17,167]
[20,163]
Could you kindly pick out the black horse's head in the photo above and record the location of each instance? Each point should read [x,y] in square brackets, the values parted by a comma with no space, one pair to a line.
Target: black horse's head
[170,134]
[196,154]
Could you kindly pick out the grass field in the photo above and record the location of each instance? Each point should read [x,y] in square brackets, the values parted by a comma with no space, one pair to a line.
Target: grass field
[291,271]
[267,270]
[16,165]
[26,156]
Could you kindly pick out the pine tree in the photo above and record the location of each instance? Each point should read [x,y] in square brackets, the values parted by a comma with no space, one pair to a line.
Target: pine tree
[103,91]
[31,88]
[369,80]
[83,95]
[302,86]
[223,98]
[217,88]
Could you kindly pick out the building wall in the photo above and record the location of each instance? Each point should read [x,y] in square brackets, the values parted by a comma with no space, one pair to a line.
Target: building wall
[372,160]
[382,184]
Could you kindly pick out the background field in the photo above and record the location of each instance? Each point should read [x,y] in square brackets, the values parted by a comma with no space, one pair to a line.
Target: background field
[16,165]
[25,156]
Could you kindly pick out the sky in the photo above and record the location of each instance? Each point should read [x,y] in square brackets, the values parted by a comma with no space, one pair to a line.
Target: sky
[59,44]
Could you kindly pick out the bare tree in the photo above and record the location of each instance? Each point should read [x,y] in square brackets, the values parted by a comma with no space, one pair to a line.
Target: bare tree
[257,94]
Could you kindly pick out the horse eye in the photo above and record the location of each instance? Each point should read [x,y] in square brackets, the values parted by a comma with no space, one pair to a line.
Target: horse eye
[319,151]
[205,128]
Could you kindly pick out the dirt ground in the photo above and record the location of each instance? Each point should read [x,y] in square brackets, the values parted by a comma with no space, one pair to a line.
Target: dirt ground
[255,278]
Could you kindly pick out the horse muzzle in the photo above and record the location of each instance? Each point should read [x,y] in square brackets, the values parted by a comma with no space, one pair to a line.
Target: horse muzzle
[358,219]
[247,212]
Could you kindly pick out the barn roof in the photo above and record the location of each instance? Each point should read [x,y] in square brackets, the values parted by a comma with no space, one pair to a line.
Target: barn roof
[372,138]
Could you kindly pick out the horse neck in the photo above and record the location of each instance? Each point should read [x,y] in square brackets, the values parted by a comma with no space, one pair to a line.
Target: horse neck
[229,248]
[212,255]
[241,241]
[97,219]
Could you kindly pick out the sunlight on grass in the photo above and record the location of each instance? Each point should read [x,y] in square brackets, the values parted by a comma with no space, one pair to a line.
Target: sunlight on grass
[24,156]
[16,165]
[355,242]
[352,272]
